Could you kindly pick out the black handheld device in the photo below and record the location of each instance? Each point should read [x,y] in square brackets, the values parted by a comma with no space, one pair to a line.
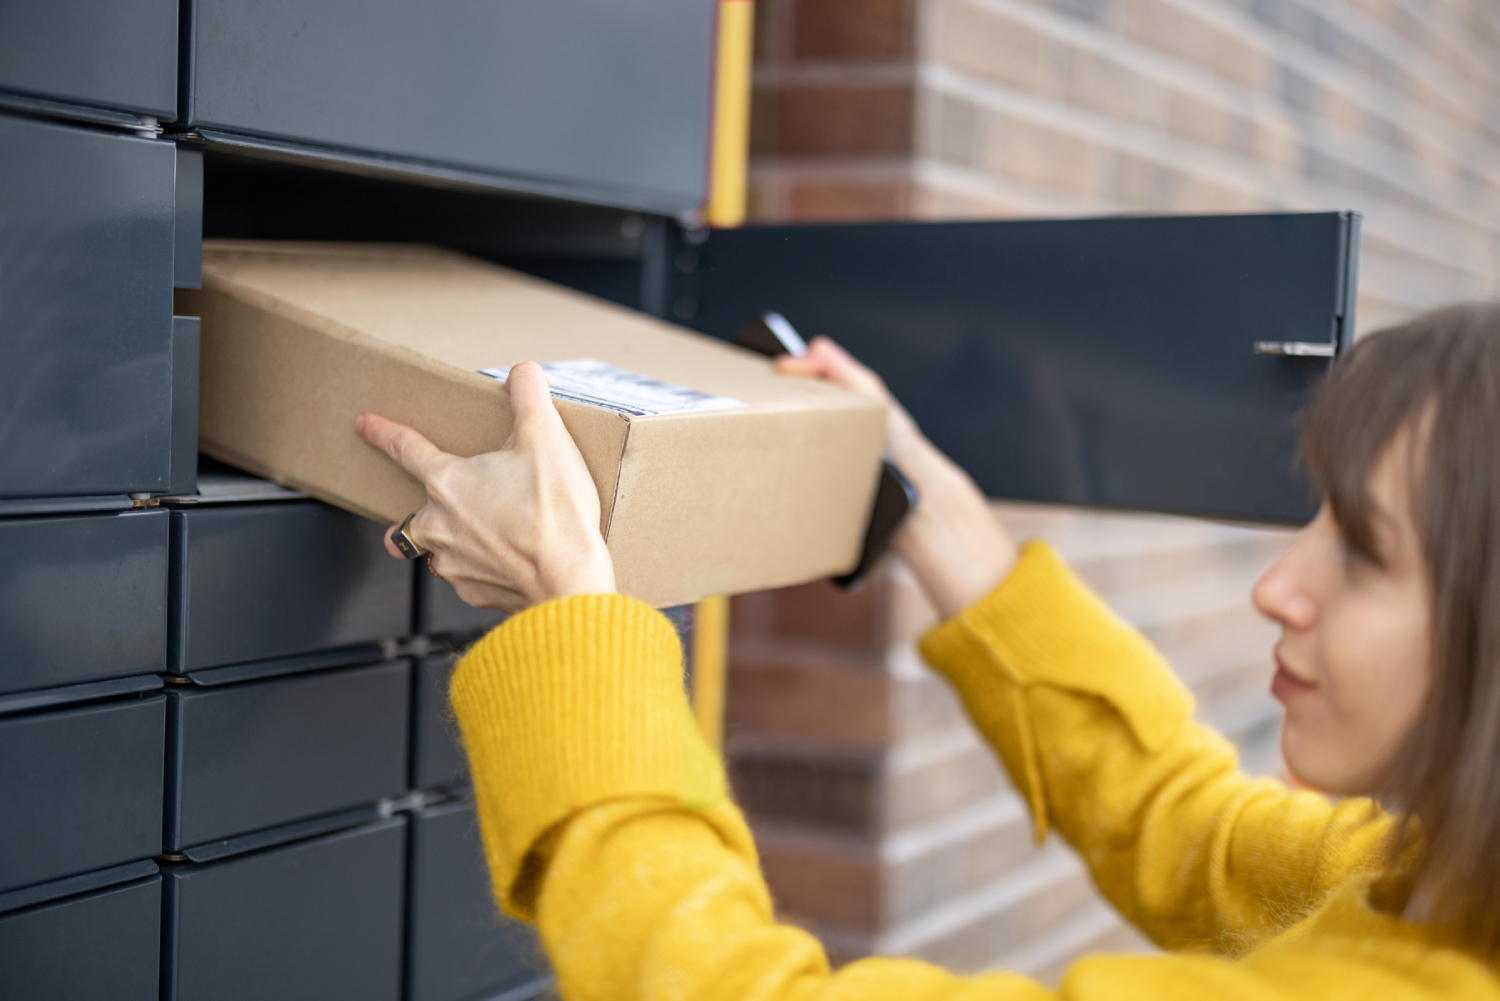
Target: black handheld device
[770,334]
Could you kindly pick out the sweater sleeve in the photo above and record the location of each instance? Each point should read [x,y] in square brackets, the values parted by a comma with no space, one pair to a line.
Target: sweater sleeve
[1097,734]
[606,820]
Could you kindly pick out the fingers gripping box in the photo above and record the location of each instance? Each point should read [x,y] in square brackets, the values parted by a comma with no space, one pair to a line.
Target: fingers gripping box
[715,474]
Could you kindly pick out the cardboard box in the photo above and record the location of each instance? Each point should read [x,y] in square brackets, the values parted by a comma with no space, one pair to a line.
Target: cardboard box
[769,487]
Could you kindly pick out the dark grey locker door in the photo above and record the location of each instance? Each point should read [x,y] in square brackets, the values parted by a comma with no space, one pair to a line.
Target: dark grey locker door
[255,755]
[119,54]
[1107,362]
[86,224]
[256,581]
[610,98]
[438,759]
[319,920]
[460,946]
[443,612]
[106,570]
[82,789]
[103,946]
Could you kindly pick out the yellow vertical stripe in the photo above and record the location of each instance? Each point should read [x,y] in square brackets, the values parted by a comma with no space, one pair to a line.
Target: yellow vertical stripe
[710,667]
[731,130]
[726,207]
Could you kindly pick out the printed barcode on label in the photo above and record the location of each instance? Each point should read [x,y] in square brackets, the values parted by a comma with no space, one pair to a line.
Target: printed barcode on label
[585,380]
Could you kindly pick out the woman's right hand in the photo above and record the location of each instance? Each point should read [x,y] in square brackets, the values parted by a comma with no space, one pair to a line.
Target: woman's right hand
[952,542]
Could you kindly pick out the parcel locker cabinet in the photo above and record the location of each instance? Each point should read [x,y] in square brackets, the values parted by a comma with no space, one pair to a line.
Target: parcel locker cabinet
[316,920]
[260,754]
[441,612]
[438,760]
[109,54]
[460,947]
[103,946]
[257,581]
[1108,362]
[82,789]
[108,570]
[86,269]
[598,100]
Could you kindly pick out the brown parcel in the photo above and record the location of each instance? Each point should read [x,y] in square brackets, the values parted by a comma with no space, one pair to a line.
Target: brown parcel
[298,339]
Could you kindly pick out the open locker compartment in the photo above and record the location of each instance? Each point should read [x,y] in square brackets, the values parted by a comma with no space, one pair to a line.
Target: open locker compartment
[1107,362]
[1152,364]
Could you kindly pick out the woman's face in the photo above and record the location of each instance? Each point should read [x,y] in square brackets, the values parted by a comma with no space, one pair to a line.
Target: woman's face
[1352,661]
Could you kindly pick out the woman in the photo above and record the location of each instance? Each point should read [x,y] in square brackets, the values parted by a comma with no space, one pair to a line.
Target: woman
[606,820]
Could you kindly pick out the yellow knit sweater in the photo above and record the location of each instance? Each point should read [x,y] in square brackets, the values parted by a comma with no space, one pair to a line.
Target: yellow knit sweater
[606,819]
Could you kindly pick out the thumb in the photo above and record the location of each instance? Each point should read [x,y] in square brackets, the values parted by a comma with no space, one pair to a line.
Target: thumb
[531,403]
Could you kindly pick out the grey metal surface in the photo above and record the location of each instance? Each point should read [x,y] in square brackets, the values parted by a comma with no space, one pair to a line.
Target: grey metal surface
[256,581]
[89,691]
[437,755]
[108,571]
[103,946]
[86,231]
[82,789]
[604,96]
[100,52]
[440,611]
[187,255]
[1106,362]
[251,756]
[460,948]
[72,886]
[182,475]
[319,920]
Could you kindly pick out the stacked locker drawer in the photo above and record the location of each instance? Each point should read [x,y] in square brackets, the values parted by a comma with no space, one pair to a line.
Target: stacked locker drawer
[91,427]
[227,759]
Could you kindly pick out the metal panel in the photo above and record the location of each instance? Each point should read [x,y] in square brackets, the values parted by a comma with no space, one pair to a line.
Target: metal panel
[460,946]
[258,581]
[319,920]
[1107,362]
[596,95]
[187,253]
[103,946]
[86,224]
[106,570]
[442,612]
[100,52]
[438,760]
[82,789]
[245,757]
[186,350]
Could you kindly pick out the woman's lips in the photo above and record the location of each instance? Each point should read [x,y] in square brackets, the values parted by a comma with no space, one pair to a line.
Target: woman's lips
[1287,685]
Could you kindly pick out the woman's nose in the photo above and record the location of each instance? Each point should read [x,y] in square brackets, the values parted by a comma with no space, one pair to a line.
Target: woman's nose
[1283,593]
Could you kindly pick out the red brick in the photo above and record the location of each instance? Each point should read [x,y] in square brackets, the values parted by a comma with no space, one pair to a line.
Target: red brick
[809,702]
[853,29]
[849,198]
[830,616]
[832,887]
[833,120]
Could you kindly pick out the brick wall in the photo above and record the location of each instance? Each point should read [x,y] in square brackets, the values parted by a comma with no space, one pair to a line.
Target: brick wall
[989,108]
[885,825]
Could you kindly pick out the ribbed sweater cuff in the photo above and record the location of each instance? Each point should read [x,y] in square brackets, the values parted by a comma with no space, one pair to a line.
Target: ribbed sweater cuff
[572,703]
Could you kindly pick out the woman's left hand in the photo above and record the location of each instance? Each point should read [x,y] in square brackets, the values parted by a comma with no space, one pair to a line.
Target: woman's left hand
[508,529]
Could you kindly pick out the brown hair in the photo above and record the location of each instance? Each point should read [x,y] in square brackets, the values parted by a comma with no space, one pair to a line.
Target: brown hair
[1438,377]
